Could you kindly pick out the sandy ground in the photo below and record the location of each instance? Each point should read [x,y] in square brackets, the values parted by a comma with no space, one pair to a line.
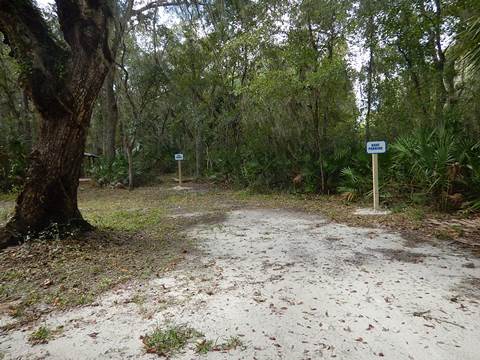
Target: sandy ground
[291,286]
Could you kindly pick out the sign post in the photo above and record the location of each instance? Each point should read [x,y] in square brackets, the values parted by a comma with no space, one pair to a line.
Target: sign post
[376,200]
[375,148]
[179,159]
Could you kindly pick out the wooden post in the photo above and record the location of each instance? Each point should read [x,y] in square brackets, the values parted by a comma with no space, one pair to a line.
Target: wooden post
[180,172]
[376,199]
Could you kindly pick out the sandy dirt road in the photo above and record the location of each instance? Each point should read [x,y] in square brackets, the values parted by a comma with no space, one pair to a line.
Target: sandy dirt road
[290,286]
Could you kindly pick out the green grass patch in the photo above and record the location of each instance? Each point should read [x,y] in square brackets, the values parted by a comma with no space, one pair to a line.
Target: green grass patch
[126,220]
[40,336]
[134,239]
[169,341]
[44,334]
[8,196]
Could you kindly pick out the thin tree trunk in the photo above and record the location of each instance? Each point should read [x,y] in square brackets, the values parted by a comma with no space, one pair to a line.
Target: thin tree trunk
[128,145]
[319,141]
[111,115]
[416,83]
[369,77]
[440,62]
[130,168]
[198,151]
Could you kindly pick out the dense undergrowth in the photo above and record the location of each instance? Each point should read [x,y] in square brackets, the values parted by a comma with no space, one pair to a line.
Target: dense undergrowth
[439,167]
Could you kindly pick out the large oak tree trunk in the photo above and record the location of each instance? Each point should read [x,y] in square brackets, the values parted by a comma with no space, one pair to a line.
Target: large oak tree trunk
[63,83]
[50,191]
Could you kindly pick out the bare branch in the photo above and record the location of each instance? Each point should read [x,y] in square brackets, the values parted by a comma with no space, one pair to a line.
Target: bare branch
[156,4]
[121,26]
[163,3]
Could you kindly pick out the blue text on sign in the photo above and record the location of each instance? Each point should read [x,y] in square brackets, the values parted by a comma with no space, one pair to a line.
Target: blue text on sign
[376,147]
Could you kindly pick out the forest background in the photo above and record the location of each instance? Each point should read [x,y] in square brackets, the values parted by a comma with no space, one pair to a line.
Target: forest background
[282,95]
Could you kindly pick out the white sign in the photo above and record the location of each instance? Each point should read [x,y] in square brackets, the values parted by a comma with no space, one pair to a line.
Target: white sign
[376,147]
[178,156]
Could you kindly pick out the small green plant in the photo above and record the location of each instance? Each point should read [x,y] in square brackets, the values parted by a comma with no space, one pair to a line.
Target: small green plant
[458,230]
[3,291]
[105,283]
[40,336]
[17,311]
[166,342]
[232,343]
[443,235]
[416,214]
[32,298]
[139,299]
[85,299]
[204,346]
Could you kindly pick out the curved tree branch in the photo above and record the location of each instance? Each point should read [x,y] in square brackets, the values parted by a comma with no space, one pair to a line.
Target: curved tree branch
[40,56]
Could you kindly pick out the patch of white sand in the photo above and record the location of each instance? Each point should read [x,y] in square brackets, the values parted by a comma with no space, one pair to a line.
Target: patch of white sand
[370,212]
[181,188]
[291,286]
[191,215]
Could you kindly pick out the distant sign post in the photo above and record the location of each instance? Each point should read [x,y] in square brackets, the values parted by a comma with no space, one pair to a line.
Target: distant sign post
[375,148]
[179,159]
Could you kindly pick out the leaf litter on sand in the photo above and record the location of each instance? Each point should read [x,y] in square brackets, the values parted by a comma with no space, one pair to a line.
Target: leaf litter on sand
[136,238]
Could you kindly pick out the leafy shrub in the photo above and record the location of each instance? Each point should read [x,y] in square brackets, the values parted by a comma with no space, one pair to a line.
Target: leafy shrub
[425,158]
[436,164]
[107,172]
[352,185]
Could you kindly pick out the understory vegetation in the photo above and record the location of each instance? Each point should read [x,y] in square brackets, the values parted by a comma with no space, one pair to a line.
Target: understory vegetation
[283,95]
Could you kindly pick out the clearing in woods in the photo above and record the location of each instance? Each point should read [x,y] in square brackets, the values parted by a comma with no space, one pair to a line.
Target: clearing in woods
[256,277]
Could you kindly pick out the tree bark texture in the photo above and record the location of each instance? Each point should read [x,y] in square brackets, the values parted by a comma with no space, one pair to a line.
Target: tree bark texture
[63,80]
